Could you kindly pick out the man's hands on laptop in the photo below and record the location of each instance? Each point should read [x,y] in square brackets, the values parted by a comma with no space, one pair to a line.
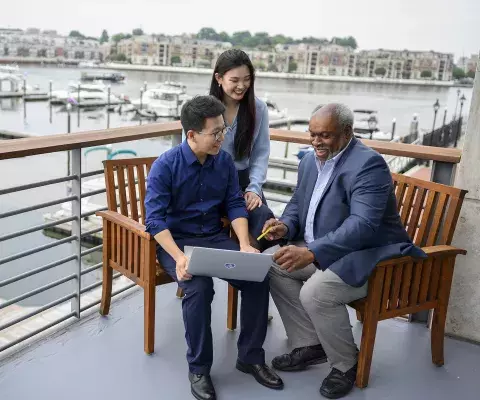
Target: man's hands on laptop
[181,268]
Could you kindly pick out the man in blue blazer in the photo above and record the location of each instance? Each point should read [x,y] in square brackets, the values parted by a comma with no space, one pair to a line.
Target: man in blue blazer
[340,222]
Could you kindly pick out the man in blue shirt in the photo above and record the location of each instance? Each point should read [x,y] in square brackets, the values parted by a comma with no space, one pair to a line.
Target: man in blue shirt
[190,188]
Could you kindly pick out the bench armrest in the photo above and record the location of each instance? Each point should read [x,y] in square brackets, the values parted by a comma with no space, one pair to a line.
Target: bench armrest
[125,222]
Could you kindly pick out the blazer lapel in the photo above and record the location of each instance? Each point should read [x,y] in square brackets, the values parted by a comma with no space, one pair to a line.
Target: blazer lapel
[311,181]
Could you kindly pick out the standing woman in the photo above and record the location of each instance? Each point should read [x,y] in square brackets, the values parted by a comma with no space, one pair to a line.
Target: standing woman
[247,138]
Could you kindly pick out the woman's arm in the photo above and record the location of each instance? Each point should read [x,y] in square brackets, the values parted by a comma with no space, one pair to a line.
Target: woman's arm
[260,154]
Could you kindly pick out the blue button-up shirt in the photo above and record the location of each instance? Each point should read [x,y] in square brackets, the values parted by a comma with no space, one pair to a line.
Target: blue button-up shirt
[325,170]
[189,198]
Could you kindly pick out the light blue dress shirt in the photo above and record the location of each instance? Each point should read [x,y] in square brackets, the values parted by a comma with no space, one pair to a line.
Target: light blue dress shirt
[325,170]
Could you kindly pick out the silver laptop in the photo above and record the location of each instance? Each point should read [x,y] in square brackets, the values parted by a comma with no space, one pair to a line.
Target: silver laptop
[228,264]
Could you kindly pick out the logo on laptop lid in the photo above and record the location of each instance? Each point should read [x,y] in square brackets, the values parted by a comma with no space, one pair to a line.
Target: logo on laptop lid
[229,265]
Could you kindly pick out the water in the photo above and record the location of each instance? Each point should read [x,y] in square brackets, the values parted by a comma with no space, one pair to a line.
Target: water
[299,97]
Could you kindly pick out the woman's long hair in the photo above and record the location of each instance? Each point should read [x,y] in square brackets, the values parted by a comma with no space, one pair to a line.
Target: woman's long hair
[228,60]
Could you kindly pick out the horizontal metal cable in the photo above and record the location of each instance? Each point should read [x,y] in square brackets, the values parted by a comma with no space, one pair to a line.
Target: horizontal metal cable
[38,184]
[90,251]
[93,193]
[92,173]
[37,206]
[37,249]
[87,233]
[116,292]
[38,311]
[88,214]
[92,268]
[37,331]
[37,291]
[97,284]
[36,271]
[35,228]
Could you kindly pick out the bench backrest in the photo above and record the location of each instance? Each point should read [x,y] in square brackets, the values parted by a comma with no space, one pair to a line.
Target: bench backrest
[125,181]
[429,211]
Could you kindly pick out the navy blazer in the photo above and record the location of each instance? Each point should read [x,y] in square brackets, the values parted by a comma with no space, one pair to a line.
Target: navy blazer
[356,224]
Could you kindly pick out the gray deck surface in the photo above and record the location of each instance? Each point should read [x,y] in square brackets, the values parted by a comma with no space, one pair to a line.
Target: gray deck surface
[103,358]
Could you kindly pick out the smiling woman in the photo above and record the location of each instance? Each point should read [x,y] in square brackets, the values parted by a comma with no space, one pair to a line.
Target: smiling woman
[247,137]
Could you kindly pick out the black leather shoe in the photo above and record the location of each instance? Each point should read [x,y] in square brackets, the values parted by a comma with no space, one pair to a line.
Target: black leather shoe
[338,384]
[300,358]
[202,387]
[262,374]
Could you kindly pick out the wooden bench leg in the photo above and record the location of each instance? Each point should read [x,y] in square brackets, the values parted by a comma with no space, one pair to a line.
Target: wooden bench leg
[440,312]
[369,331]
[232,308]
[180,293]
[149,318]
[106,289]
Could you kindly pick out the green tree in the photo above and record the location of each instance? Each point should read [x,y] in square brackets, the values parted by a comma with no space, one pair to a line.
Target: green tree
[224,37]
[345,41]
[176,60]
[240,38]
[426,74]
[207,34]
[380,71]
[119,57]
[272,68]
[76,34]
[458,73]
[138,32]
[120,36]
[104,38]
[292,66]
[471,74]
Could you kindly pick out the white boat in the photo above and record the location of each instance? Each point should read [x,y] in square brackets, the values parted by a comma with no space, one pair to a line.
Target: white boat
[85,94]
[10,69]
[274,111]
[87,64]
[365,125]
[165,100]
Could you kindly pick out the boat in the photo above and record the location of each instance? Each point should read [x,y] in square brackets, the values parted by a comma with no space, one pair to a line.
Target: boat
[115,77]
[85,95]
[164,100]
[87,64]
[274,111]
[10,69]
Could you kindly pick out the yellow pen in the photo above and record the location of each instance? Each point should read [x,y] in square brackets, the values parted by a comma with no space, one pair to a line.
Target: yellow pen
[264,233]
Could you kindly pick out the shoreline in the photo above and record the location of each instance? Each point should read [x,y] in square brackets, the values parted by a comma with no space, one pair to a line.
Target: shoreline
[262,74]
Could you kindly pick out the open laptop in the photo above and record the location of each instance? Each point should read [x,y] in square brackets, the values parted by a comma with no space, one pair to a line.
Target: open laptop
[228,264]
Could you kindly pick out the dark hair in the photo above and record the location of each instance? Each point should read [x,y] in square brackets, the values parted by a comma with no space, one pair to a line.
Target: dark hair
[228,60]
[197,110]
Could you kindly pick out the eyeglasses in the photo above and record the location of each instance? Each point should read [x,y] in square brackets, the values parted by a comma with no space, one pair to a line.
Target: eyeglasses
[217,135]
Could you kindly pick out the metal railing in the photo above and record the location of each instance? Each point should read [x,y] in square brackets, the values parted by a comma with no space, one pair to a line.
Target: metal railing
[79,299]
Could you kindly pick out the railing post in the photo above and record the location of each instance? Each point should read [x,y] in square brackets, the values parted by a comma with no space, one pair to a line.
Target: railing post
[77,228]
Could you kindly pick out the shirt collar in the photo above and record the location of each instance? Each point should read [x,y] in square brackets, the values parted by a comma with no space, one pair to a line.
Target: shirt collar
[190,156]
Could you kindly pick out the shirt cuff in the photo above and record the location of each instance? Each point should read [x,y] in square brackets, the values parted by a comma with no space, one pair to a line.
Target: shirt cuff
[239,212]
[155,228]
[255,188]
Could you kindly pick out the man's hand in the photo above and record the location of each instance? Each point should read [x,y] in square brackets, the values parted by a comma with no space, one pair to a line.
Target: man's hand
[253,200]
[181,269]
[278,229]
[293,258]
[248,249]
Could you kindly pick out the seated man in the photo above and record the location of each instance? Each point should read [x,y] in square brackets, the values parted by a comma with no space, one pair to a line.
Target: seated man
[189,188]
[341,221]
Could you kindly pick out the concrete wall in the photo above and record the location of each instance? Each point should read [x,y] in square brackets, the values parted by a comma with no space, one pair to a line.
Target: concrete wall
[464,308]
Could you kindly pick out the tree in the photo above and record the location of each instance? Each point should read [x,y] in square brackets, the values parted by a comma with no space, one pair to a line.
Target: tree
[76,34]
[104,38]
[120,36]
[119,57]
[223,37]
[272,68]
[458,73]
[426,74]
[292,66]
[176,60]
[138,32]
[207,34]
[240,38]
[471,74]
[380,71]
[345,41]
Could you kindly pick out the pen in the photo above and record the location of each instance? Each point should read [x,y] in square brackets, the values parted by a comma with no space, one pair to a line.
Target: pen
[264,233]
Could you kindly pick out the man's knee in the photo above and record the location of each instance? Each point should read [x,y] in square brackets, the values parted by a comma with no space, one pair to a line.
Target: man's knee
[317,295]
[199,287]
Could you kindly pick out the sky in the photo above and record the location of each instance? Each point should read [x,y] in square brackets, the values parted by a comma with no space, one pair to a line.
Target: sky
[440,25]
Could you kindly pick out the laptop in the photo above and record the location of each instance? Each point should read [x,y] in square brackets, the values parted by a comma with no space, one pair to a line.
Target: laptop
[228,264]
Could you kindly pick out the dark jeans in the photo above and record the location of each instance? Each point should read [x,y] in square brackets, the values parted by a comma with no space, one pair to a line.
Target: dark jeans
[196,306]
[257,217]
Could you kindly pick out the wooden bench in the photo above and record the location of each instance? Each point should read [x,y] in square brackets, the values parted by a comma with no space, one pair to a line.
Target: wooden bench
[127,248]
[429,211]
